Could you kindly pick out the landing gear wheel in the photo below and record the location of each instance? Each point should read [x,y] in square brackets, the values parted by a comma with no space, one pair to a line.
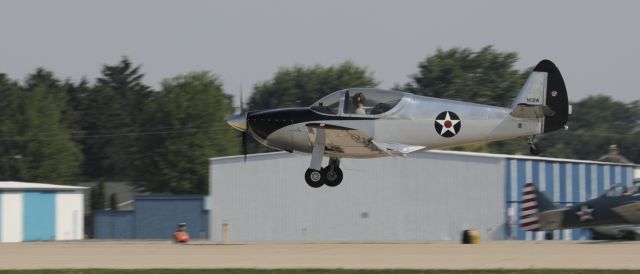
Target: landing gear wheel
[332,176]
[314,178]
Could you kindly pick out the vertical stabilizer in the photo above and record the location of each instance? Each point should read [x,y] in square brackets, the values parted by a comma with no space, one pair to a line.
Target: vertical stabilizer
[543,96]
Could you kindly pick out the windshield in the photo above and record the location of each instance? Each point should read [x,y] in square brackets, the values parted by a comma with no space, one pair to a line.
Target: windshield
[329,104]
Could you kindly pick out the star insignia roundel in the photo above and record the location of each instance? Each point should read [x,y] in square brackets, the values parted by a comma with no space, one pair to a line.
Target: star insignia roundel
[448,124]
[585,213]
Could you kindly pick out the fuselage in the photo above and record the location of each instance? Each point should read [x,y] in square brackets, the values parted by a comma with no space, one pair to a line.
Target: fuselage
[411,121]
[602,211]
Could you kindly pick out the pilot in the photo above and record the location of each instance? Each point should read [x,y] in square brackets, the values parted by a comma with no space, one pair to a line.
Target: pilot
[358,101]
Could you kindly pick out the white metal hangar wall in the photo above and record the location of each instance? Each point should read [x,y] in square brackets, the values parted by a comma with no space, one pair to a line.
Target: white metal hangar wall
[426,196]
[38,212]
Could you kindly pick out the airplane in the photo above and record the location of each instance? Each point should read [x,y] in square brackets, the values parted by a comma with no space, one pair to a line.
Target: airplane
[369,122]
[614,213]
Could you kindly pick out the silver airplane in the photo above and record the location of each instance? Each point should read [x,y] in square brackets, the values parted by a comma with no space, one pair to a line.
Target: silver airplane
[367,122]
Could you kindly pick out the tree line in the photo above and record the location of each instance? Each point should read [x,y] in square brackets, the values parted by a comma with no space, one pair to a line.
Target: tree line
[119,128]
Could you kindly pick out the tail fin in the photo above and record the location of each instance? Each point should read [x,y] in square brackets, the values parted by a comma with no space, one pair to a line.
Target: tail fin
[543,96]
[533,203]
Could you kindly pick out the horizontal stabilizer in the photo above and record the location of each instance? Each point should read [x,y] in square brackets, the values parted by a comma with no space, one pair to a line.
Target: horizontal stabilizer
[531,111]
[550,219]
[396,149]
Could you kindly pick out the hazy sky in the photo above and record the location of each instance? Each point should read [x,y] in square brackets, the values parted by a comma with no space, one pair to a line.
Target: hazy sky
[594,43]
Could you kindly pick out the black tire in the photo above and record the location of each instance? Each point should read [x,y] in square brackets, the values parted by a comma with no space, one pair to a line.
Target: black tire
[314,178]
[334,178]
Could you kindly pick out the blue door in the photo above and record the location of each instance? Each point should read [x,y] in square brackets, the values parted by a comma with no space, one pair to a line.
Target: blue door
[39,216]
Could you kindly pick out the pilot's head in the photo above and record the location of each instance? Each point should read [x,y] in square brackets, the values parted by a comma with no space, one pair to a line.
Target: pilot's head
[358,98]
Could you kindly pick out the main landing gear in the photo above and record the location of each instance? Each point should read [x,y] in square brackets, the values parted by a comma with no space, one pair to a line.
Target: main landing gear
[533,148]
[316,175]
[331,175]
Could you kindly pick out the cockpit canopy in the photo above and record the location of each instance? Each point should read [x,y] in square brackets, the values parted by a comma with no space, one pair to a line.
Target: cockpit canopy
[358,101]
[618,190]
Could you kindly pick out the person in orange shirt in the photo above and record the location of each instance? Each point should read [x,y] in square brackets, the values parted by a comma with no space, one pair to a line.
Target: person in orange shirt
[181,235]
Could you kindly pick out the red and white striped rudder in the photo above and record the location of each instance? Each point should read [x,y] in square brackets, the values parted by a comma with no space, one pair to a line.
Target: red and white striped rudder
[529,208]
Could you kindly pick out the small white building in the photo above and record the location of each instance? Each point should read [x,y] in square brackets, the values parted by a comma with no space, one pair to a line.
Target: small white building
[41,212]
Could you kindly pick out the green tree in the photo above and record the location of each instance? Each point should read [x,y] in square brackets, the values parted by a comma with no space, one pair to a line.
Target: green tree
[98,197]
[112,113]
[597,122]
[43,150]
[10,154]
[76,106]
[486,76]
[113,201]
[191,108]
[302,86]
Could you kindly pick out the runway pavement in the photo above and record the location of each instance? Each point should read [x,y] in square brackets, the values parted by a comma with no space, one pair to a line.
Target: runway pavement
[431,255]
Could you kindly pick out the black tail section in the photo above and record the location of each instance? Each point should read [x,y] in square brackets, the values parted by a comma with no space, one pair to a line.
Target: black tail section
[556,96]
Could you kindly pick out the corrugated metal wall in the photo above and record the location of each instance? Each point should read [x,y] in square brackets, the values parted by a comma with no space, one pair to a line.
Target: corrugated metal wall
[12,221]
[562,182]
[39,216]
[113,225]
[154,217]
[428,196]
[69,215]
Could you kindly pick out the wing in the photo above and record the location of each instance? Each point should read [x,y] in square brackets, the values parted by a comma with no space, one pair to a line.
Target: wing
[630,212]
[396,149]
[356,143]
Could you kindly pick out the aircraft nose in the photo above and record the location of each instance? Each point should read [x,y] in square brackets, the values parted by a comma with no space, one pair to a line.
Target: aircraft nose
[238,121]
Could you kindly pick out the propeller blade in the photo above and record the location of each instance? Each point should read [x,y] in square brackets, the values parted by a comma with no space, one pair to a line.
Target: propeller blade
[244,145]
[241,102]
[244,133]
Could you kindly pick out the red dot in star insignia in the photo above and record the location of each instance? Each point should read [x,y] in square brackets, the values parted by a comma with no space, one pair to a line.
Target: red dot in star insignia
[447,124]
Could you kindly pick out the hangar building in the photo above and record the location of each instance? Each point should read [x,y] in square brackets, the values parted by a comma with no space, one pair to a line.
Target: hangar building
[40,212]
[430,195]
[154,217]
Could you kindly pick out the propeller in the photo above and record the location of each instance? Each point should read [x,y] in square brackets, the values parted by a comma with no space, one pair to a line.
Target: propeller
[239,122]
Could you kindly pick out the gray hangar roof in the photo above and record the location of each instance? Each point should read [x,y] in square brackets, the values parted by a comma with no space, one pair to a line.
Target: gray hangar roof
[22,186]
